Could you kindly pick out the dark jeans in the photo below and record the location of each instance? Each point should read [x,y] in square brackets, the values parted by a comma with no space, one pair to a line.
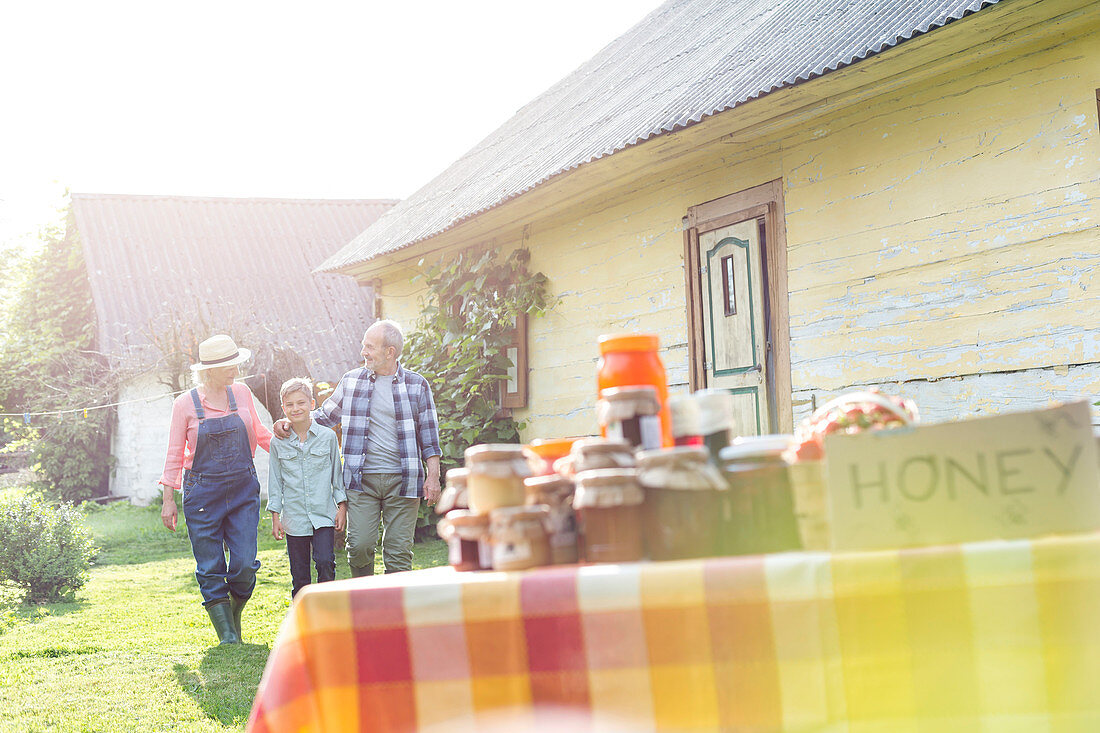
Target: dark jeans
[223,512]
[324,557]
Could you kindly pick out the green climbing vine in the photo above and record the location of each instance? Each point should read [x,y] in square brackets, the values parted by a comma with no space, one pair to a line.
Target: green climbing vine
[459,343]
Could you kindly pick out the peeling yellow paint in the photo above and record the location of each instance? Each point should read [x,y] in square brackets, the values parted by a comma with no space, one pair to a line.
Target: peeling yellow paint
[943,231]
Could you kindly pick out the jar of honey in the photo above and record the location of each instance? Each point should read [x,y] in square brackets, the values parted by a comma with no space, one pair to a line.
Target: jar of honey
[608,503]
[631,414]
[496,474]
[590,454]
[467,537]
[628,359]
[519,537]
[760,502]
[681,515]
[454,493]
[556,492]
[543,453]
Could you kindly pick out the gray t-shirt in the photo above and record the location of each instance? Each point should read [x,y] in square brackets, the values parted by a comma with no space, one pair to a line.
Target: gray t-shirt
[382,455]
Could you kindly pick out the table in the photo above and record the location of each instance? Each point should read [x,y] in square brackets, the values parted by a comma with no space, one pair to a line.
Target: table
[987,636]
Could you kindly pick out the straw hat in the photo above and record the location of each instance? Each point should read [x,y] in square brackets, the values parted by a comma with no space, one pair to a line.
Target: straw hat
[219,351]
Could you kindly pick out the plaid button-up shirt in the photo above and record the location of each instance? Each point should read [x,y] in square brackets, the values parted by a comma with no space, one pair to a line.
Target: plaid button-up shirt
[414,411]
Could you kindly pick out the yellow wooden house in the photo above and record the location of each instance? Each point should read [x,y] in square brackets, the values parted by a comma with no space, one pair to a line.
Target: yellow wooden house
[800,197]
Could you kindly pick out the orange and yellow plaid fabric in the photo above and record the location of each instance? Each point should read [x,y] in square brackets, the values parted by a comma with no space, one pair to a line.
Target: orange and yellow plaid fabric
[992,636]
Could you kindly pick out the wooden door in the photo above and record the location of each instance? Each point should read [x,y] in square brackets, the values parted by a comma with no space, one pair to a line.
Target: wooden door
[733,290]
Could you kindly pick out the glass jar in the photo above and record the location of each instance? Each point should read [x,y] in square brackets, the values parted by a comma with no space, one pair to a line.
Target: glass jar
[630,414]
[631,359]
[519,537]
[608,503]
[759,505]
[715,419]
[467,537]
[685,420]
[589,454]
[454,494]
[496,476]
[556,492]
[681,515]
[542,453]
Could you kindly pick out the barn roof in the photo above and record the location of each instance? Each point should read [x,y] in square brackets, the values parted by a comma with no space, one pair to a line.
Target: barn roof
[685,61]
[241,265]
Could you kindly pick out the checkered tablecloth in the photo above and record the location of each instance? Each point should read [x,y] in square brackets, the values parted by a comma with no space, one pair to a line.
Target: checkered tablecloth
[993,636]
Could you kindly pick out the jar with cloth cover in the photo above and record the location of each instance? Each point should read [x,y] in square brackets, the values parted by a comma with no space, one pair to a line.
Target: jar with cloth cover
[497,471]
[608,503]
[682,515]
[556,493]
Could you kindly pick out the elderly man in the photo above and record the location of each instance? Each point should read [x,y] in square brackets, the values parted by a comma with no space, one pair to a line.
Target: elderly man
[391,449]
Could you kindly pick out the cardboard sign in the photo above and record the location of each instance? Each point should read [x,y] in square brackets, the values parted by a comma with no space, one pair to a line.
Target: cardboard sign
[1018,475]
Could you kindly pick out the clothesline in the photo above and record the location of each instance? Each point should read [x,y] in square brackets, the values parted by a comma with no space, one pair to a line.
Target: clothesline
[84,410]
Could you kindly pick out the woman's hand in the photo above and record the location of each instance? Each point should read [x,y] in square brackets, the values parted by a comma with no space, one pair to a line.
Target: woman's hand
[281,428]
[169,514]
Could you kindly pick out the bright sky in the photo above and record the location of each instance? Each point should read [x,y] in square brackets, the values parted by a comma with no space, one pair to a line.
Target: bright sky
[326,99]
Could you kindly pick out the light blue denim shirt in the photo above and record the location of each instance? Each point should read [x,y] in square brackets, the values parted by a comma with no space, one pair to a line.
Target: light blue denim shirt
[305,480]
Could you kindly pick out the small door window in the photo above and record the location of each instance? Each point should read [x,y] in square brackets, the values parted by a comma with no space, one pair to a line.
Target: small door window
[729,294]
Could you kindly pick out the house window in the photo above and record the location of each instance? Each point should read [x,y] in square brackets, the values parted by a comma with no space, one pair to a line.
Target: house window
[513,390]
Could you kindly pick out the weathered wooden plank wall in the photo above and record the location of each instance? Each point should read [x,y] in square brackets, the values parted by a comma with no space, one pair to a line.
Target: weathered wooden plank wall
[942,243]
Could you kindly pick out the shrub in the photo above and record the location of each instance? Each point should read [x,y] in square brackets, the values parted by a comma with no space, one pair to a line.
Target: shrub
[45,550]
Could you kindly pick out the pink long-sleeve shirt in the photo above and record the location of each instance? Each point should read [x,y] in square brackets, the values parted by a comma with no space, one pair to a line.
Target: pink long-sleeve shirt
[184,430]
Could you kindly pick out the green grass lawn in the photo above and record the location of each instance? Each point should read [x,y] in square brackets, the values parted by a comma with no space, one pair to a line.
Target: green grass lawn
[135,651]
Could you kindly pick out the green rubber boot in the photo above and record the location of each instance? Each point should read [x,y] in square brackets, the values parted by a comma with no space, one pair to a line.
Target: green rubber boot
[221,615]
[236,605]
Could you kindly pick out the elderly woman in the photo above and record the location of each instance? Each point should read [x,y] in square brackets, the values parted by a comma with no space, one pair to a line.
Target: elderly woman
[213,437]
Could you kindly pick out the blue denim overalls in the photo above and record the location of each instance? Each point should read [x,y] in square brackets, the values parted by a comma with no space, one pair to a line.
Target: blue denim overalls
[221,502]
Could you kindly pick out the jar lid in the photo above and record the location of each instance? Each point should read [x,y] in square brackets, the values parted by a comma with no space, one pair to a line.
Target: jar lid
[494,452]
[625,403]
[452,497]
[497,459]
[684,454]
[682,468]
[685,415]
[457,477]
[552,484]
[715,409]
[748,446]
[601,445]
[594,453]
[627,342]
[463,524]
[466,518]
[550,447]
[509,515]
[646,393]
[606,487]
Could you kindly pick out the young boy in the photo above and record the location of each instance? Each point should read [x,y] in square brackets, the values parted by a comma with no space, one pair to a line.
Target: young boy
[306,488]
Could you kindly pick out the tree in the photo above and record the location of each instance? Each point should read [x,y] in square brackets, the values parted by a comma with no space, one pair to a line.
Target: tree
[48,365]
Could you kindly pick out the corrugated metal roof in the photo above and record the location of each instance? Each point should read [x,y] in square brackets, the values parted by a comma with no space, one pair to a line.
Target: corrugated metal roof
[244,264]
[687,60]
